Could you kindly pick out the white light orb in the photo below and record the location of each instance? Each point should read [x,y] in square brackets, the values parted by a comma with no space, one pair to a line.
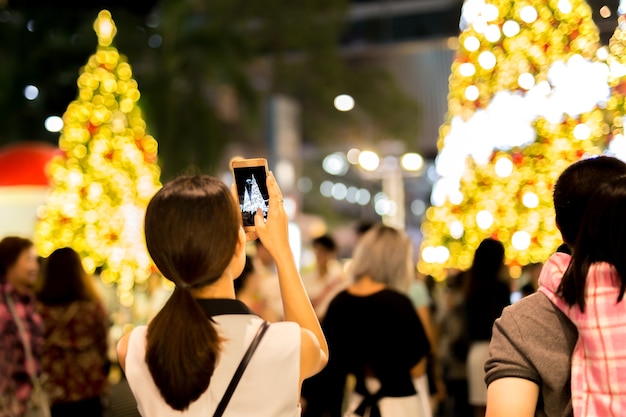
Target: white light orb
[471,43]
[326,188]
[520,240]
[530,199]
[344,102]
[335,164]
[456,197]
[602,53]
[490,12]
[510,28]
[363,197]
[565,6]
[503,167]
[418,207]
[487,60]
[369,160]
[456,229]
[435,254]
[484,219]
[528,14]
[339,191]
[353,156]
[526,81]
[352,194]
[385,207]
[492,33]
[53,124]
[471,92]
[31,92]
[582,131]
[467,69]
[412,161]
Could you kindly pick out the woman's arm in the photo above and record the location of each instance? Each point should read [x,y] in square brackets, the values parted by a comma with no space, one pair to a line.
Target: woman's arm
[296,304]
[122,348]
[512,397]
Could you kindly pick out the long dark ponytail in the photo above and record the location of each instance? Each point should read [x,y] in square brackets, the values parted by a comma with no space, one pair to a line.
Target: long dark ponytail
[191,228]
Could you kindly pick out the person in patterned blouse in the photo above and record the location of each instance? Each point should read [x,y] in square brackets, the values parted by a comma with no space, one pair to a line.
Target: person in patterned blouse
[74,356]
[18,272]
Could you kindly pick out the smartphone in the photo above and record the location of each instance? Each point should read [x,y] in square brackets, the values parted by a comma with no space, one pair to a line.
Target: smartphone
[250,179]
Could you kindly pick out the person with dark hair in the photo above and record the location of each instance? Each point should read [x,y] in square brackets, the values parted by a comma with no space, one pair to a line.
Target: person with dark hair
[184,360]
[374,333]
[590,292]
[247,291]
[528,372]
[21,328]
[487,295]
[74,355]
[328,278]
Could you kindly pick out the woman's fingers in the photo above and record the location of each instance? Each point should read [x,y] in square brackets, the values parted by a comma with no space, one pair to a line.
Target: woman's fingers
[276,196]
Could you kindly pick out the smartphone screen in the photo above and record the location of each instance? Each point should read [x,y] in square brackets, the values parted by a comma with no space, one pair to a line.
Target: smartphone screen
[252,191]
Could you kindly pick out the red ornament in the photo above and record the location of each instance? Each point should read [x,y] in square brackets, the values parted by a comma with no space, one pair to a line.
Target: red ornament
[621,88]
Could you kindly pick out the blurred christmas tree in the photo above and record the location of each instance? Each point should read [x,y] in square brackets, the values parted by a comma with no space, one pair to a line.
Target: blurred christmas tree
[616,105]
[102,183]
[527,97]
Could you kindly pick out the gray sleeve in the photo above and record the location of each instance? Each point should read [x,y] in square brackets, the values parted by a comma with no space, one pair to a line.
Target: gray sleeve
[507,355]
[534,340]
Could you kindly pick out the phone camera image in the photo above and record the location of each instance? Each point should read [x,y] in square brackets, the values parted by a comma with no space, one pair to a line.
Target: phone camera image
[252,190]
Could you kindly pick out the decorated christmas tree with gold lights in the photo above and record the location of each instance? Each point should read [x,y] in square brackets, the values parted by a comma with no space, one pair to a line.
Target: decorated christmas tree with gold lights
[616,105]
[527,97]
[101,184]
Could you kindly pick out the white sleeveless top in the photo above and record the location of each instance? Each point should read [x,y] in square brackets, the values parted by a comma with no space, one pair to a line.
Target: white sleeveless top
[269,386]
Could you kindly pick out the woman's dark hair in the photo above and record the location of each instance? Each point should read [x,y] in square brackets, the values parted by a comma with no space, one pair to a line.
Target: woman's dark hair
[602,238]
[191,226]
[325,241]
[11,247]
[574,187]
[64,279]
[485,269]
[248,269]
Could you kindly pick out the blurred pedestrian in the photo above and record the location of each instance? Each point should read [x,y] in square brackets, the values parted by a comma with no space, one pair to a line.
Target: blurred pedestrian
[74,356]
[328,278]
[247,291]
[374,332]
[21,328]
[487,295]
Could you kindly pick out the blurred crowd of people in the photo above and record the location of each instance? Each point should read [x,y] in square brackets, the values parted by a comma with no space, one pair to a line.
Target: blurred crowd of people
[400,344]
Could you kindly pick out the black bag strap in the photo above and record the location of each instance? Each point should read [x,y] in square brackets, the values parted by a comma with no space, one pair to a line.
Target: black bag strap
[239,372]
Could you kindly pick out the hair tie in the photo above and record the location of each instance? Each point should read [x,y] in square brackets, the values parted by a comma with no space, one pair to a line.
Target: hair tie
[184,285]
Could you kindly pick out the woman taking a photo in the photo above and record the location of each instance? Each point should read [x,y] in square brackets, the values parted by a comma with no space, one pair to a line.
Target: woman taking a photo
[183,361]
